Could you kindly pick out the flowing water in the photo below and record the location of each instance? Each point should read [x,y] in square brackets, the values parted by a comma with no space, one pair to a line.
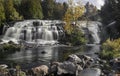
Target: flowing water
[34,31]
[43,35]
[92,31]
[46,54]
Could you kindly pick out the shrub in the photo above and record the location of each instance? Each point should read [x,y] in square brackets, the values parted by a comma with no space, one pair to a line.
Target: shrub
[111,49]
[76,37]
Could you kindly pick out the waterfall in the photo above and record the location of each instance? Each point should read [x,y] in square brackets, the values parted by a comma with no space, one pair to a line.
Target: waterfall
[92,31]
[34,31]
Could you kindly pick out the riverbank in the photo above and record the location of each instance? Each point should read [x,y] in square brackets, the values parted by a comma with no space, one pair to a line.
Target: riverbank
[28,58]
[87,66]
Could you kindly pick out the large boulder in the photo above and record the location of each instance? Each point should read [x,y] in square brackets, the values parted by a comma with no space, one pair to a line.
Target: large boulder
[41,70]
[74,58]
[90,72]
[66,67]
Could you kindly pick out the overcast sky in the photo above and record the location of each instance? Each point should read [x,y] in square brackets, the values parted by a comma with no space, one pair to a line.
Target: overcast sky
[97,3]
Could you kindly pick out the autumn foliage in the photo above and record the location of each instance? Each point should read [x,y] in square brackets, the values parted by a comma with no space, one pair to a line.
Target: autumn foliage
[72,14]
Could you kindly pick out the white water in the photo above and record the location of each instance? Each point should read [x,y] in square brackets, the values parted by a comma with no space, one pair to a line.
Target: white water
[91,28]
[45,33]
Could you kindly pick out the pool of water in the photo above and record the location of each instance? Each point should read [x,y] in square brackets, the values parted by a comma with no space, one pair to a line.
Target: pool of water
[30,57]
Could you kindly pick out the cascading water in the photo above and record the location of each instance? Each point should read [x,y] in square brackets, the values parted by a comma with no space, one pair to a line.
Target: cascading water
[34,31]
[92,30]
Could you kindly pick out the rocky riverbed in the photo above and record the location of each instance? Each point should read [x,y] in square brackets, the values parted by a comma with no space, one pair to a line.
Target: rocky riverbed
[74,65]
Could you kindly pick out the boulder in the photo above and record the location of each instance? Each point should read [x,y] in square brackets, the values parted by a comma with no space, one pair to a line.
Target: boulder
[74,58]
[67,67]
[3,66]
[41,70]
[90,72]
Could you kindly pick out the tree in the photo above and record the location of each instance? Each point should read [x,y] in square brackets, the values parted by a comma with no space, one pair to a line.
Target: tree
[2,12]
[10,12]
[59,10]
[91,12]
[2,15]
[48,6]
[31,9]
[17,5]
[110,13]
[65,7]
[73,34]
[72,14]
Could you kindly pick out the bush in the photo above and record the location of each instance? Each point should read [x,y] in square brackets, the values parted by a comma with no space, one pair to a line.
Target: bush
[76,37]
[10,47]
[111,49]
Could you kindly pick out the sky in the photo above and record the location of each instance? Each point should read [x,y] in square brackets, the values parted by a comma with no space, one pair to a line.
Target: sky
[97,3]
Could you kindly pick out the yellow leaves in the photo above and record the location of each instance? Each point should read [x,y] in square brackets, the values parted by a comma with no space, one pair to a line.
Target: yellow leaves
[115,44]
[78,12]
[72,14]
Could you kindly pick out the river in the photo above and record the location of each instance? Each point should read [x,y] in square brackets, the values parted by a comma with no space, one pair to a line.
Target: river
[30,57]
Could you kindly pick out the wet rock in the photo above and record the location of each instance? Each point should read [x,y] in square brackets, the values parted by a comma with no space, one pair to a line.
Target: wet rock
[67,67]
[115,59]
[90,72]
[74,58]
[11,42]
[3,70]
[12,71]
[87,61]
[41,70]
[3,66]
[87,57]
[43,52]
[116,64]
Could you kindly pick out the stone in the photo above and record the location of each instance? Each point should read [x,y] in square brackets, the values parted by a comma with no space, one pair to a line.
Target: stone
[74,58]
[90,72]
[3,66]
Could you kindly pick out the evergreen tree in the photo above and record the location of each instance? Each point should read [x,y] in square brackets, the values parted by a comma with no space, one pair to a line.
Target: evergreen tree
[35,9]
[58,11]
[31,9]
[24,6]
[110,12]
[10,12]
[91,12]
[48,6]
[2,12]
[65,7]
[17,5]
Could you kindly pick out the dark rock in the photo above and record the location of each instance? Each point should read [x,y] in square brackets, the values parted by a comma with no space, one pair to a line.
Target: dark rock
[12,71]
[43,52]
[1,40]
[11,42]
